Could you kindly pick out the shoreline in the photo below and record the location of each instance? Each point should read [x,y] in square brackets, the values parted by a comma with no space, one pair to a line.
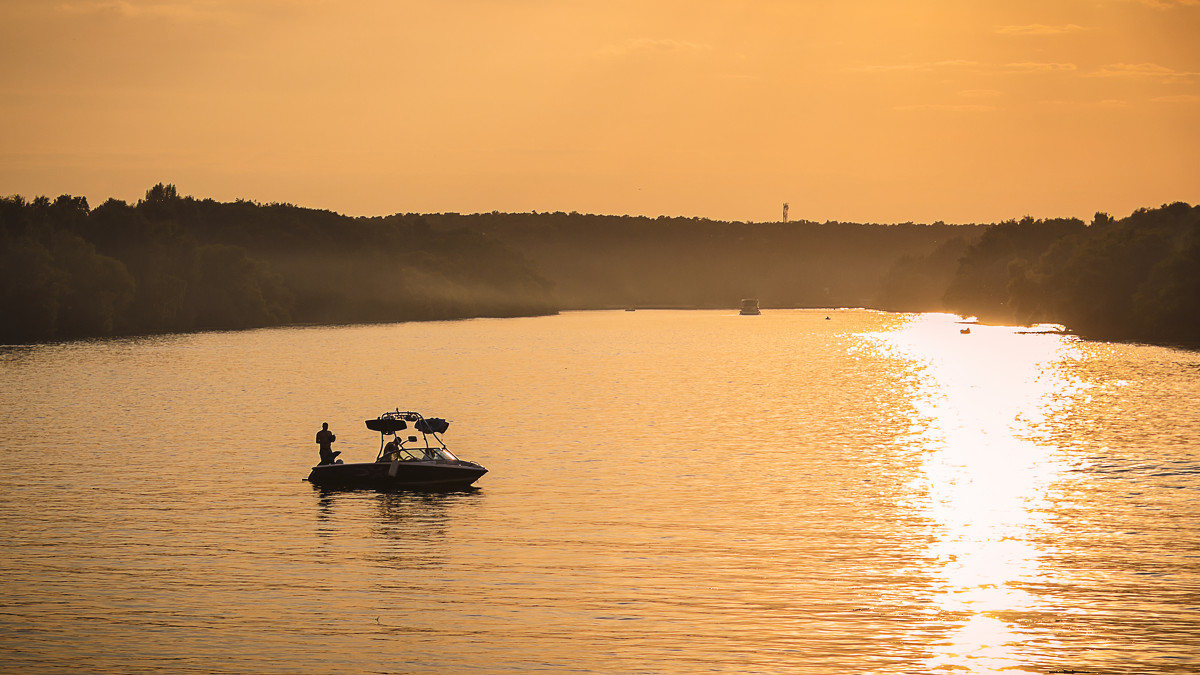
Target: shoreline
[967,321]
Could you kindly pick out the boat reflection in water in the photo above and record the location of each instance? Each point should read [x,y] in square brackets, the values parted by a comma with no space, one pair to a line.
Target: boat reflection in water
[984,480]
[426,465]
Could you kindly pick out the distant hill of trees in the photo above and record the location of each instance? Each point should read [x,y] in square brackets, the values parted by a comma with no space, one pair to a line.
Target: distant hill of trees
[1137,278]
[625,261]
[172,263]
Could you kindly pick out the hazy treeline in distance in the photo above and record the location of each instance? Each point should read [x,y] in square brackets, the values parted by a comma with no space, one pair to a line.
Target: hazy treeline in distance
[172,263]
[600,262]
[1137,278]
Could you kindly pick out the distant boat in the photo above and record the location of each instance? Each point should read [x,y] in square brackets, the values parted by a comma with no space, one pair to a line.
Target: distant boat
[749,307]
[965,331]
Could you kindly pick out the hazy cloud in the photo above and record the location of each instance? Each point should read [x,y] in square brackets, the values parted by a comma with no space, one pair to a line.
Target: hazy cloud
[1145,70]
[1036,67]
[182,11]
[1178,98]
[919,67]
[1108,103]
[1152,71]
[979,93]
[1038,29]
[948,107]
[638,46]
[972,66]
[1167,4]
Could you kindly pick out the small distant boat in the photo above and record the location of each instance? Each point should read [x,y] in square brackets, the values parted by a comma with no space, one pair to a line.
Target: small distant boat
[965,331]
[749,307]
[427,464]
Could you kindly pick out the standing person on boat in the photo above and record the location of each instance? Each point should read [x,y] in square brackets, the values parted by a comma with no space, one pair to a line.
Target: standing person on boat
[325,439]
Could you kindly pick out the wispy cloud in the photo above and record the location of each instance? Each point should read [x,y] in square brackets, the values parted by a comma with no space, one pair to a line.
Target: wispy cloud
[1167,4]
[115,7]
[130,9]
[637,46]
[1151,71]
[1038,29]
[1178,98]
[979,93]
[1113,103]
[971,66]
[923,67]
[1038,67]
[947,107]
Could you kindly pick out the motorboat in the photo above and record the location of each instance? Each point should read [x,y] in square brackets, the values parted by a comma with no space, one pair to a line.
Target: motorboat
[749,307]
[404,462]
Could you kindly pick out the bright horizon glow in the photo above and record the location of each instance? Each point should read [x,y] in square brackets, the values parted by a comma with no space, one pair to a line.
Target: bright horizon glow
[860,110]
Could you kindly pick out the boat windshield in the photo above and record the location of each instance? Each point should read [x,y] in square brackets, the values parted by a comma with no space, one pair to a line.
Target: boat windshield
[392,453]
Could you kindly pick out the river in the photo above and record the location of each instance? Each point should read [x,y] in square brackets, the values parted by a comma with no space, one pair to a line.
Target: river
[805,491]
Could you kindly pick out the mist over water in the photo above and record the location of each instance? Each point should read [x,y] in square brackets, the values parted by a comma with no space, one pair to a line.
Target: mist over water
[805,491]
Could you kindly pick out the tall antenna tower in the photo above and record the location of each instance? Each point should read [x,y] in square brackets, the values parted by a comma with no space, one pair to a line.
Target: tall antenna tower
[785,212]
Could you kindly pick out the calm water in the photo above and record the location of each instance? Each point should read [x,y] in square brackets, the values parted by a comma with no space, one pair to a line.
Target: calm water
[670,492]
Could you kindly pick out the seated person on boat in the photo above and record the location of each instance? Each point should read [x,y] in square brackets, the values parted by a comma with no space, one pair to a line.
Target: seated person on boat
[394,451]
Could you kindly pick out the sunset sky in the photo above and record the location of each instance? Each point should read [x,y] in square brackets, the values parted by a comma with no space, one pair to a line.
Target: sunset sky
[854,110]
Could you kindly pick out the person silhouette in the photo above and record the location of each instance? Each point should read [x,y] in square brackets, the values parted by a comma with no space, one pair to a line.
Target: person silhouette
[391,452]
[325,439]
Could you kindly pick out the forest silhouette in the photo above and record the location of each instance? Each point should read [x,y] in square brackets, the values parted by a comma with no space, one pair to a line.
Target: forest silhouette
[171,264]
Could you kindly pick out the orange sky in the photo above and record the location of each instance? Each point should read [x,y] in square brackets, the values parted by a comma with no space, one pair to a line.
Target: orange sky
[856,110]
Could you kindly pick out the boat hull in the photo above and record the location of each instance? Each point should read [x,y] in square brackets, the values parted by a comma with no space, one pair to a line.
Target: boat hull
[397,475]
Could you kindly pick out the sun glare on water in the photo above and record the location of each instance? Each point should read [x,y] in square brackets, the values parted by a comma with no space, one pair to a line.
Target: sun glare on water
[984,477]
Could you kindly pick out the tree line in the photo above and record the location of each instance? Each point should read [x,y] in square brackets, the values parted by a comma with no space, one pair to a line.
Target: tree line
[1137,278]
[629,261]
[171,263]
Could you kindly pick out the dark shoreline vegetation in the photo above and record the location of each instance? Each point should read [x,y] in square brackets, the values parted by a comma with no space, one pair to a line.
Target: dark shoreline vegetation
[177,264]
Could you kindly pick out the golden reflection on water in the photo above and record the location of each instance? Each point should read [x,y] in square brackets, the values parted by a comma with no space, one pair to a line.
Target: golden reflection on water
[984,475]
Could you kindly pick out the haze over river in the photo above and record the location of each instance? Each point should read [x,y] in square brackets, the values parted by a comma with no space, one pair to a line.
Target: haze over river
[669,492]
